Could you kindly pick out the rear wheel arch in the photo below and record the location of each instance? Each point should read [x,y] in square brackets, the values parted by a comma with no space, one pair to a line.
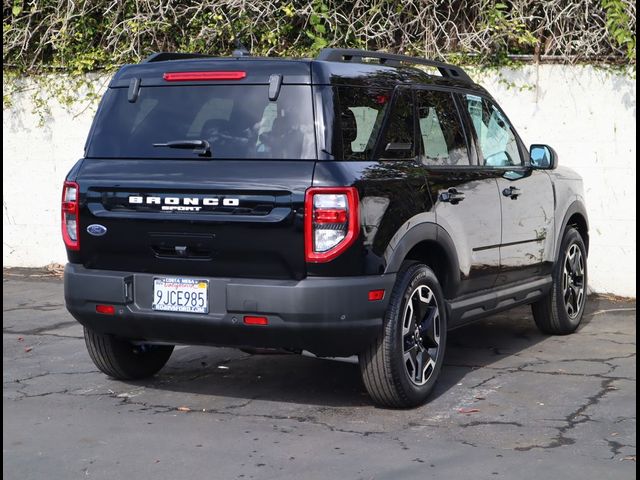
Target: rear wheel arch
[431,245]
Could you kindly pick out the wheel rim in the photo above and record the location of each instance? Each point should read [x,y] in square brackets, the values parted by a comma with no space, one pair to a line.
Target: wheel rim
[421,335]
[573,281]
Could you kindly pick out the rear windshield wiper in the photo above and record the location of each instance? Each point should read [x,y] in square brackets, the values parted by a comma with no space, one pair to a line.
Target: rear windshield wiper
[201,147]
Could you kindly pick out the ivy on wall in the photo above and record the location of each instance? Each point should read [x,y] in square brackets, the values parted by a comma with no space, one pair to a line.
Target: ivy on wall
[82,36]
[75,37]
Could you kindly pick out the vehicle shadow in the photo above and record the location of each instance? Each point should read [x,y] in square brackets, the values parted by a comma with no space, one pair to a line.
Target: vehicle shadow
[232,374]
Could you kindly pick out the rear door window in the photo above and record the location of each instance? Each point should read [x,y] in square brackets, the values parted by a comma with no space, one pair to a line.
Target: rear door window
[237,121]
[442,140]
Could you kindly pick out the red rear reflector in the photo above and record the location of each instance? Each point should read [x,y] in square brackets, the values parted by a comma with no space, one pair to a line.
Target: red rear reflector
[188,76]
[106,309]
[256,320]
[375,295]
[330,216]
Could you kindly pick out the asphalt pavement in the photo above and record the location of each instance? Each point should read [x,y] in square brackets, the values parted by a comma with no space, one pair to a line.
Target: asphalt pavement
[511,403]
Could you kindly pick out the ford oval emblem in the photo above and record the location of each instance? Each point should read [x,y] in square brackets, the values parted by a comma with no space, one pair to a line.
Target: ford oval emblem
[96,230]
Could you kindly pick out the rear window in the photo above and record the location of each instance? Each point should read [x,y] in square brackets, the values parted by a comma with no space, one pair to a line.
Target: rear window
[238,121]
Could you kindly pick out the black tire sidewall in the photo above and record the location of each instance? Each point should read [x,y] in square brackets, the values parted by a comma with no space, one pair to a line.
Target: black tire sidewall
[118,358]
[413,277]
[140,363]
[571,236]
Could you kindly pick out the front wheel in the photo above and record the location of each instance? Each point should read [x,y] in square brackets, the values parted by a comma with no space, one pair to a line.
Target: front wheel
[401,367]
[561,310]
[123,360]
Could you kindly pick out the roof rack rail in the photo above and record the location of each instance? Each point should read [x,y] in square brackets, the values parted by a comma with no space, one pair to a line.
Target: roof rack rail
[391,60]
[163,56]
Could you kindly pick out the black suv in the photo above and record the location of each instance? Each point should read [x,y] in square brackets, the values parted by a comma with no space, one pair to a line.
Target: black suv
[360,203]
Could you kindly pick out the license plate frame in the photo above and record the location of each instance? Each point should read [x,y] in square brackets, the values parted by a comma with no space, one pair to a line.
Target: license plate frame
[180,295]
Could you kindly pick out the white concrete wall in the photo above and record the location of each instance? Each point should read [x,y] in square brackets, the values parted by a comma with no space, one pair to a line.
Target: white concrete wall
[588,115]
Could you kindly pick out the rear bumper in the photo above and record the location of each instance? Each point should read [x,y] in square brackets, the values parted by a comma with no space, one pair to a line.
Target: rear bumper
[326,316]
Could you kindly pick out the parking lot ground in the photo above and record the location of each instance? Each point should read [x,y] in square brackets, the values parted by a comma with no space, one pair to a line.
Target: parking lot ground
[539,406]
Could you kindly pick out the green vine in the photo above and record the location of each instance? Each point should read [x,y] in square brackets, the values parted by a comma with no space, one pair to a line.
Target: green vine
[74,93]
[73,38]
[511,34]
[618,26]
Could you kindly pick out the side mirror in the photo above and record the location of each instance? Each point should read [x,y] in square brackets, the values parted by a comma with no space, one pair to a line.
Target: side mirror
[543,157]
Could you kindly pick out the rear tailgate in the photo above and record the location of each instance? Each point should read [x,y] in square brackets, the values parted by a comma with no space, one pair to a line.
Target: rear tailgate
[232,208]
[229,218]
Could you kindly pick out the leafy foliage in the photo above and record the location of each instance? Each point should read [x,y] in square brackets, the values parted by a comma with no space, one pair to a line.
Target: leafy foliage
[82,36]
[619,20]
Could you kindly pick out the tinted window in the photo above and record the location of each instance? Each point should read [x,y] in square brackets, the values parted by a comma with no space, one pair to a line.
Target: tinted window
[442,138]
[398,139]
[360,114]
[495,136]
[238,122]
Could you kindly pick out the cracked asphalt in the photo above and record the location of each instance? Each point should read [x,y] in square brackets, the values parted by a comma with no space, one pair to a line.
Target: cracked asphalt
[541,406]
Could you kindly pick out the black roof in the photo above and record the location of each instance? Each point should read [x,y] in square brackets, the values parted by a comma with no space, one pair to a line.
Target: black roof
[332,66]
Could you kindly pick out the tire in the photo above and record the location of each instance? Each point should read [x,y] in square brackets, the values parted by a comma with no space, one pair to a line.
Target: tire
[561,310]
[123,360]
[391,378]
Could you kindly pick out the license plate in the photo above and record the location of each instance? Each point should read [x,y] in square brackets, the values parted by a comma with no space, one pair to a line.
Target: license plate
[180,295]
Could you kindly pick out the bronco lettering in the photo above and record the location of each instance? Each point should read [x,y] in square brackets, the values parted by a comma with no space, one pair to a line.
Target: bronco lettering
[207,201]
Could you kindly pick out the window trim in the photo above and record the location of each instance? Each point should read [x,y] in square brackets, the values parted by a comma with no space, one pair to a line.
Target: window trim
[327,151]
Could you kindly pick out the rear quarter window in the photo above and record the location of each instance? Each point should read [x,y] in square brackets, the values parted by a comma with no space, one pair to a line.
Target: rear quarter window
[360,112]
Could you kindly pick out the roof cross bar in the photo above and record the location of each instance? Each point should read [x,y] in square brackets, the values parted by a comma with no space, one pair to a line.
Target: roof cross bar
[391,60]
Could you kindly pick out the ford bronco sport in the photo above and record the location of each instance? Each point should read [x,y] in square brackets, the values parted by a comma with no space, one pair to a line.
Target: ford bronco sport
[360,203]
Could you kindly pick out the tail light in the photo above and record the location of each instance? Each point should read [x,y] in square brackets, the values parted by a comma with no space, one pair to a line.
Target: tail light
[70,225]
[331,222]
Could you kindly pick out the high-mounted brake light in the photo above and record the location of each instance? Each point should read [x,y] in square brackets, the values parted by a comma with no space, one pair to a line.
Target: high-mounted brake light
[191,76]
[331,223]
[70,210]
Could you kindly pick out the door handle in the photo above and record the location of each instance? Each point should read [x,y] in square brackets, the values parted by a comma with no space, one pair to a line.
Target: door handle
[512,192]
[452,196]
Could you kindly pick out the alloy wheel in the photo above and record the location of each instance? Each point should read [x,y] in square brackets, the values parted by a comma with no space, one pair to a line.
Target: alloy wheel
[573,281]
[421,334]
